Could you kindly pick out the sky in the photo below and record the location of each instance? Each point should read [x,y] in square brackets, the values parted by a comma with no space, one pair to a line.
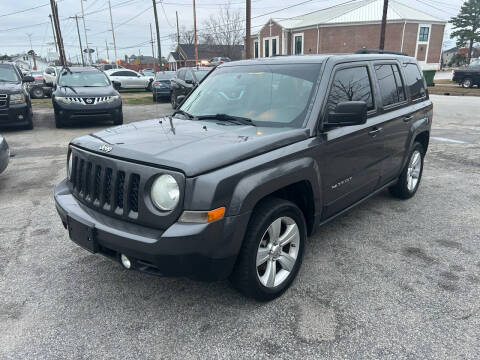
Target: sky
[132,19]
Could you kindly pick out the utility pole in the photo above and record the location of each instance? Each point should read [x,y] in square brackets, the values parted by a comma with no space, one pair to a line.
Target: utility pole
[178,31]
[113,31]
[106,47]
[195,33]
[61,49]
[79,38]
[86,38]
[248,15]
[53,31]
[384,25]
[159,46]
[153,49]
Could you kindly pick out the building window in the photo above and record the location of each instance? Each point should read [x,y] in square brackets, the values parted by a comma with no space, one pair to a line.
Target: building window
[255,48]
[266,48]
[423,34]
[274,47]
[298,44]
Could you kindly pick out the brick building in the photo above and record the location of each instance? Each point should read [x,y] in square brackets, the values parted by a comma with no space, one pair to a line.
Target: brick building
[349,27]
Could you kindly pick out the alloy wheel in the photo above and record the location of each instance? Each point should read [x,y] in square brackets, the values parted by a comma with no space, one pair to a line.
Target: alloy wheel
[278,252]
[413,171]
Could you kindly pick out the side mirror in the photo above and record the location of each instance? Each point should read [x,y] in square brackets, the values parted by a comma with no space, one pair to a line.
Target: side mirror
[189,81]
[348,113]
[28,79]
[116,85]
[180,99]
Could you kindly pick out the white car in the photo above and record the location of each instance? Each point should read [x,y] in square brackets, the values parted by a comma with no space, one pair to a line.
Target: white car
[129,79]
[50,75]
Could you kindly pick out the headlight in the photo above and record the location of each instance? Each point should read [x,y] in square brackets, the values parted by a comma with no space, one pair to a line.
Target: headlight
[113,98]
[165,192]
[17,99]
[63,100]
[69,166]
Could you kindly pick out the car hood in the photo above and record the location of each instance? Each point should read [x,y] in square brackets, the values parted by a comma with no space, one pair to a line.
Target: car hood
[10,88]
[191,146]
[86,91]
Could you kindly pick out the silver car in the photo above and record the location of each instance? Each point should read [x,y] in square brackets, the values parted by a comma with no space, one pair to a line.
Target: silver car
[129,79]
[4,154]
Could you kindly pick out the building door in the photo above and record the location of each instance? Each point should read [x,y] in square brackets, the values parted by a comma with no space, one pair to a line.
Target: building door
[270,46]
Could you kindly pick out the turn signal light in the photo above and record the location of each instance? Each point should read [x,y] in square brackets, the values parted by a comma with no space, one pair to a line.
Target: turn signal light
[202,217]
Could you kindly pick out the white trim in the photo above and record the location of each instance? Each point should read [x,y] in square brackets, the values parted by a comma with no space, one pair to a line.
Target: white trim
[427,43]
[403,35]
[270,47]
[284,42]
[318,38]
[293,42]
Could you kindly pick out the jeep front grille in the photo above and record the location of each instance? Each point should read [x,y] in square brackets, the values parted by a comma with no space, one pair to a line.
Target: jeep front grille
[104,188]
[3,100]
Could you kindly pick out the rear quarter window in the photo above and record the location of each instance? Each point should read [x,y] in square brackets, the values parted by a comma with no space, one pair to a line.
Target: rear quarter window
[390,83]
[415,81]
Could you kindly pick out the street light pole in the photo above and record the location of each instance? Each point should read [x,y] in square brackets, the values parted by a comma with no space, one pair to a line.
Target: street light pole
[248,49]
[86,37]
[384,25]
[113,31]
[61,49]
[159,46]
[195,33]
[53,31]
[79,38]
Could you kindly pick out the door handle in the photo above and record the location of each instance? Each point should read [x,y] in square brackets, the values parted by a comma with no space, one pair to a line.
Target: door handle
[375,132]
[408,118]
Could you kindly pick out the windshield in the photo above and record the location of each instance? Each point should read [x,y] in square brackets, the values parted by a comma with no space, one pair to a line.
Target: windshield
[8,73]
[91,79]
[165,76]
[269,95]
[200,74]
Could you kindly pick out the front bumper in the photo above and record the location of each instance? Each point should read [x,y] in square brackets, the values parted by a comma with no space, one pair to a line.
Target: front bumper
[161,91]
[199,251]
[15,114]
[76,111]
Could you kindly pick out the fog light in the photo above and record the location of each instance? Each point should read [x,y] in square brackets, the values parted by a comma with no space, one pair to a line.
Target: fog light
[127,264]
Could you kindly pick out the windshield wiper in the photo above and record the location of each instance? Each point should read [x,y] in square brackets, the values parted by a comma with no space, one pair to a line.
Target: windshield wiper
[225,117]
[69,87]
[184,113]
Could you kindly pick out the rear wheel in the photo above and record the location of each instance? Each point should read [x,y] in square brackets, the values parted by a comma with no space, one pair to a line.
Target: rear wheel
[272,250]
[467,83]
[409,180]
[37,92]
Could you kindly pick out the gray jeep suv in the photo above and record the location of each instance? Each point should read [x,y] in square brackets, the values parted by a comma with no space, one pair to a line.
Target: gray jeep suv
[257,156]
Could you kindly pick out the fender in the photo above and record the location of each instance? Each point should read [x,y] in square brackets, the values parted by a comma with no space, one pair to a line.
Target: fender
[419,126]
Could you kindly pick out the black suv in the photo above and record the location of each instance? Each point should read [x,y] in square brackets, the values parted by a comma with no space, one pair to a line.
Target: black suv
[184,82]
[259,155]
[15,105]
[85,93]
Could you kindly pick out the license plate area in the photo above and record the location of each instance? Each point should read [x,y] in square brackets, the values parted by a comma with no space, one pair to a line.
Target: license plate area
[82,234]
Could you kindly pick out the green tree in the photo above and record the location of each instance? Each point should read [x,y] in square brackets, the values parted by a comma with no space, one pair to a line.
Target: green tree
[466,25]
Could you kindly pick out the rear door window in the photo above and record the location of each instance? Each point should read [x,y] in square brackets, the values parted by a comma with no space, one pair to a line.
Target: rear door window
[390,83]
[351,84]
[414,80]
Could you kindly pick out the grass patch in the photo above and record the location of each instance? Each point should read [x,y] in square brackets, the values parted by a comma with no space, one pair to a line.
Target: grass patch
[44,103]
[447,89]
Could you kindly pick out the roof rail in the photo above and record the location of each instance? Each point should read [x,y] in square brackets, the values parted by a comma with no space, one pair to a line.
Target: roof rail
[378,51]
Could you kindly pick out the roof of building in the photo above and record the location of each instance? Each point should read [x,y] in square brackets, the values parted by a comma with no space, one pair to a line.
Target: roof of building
[206,51]
[358,12]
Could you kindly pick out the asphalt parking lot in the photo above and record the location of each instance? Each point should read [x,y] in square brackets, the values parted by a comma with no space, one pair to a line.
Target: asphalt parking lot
[391,279]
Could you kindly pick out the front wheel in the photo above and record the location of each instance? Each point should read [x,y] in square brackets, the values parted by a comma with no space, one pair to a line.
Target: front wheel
[409,180]
[467,83]
[272,250]
[118,120]
[58,121]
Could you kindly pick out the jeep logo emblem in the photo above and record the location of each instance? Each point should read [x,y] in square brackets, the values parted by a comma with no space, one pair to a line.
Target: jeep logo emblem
[105,148]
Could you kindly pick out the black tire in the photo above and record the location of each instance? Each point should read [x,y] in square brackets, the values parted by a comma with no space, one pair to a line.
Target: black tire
[59,123]
[245,276]
[37,92]
[467,83]
[118,120]
[29,125]
[173,101]
[401,189]
[149,86]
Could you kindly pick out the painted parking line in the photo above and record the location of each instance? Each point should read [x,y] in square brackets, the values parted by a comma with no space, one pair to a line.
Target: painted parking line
[448,140]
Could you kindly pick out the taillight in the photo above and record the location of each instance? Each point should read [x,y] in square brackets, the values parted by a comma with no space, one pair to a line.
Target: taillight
[38,78]
[157,83]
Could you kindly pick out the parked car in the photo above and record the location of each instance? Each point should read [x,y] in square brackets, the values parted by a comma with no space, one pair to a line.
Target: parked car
[104,67]
[85,93]
[50,75]
[4,154]
[259,155]
[185,81]
[148,72]
[219,60]
[15,105]
[36,88]
[129,79]
[161,85]
[468,76]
